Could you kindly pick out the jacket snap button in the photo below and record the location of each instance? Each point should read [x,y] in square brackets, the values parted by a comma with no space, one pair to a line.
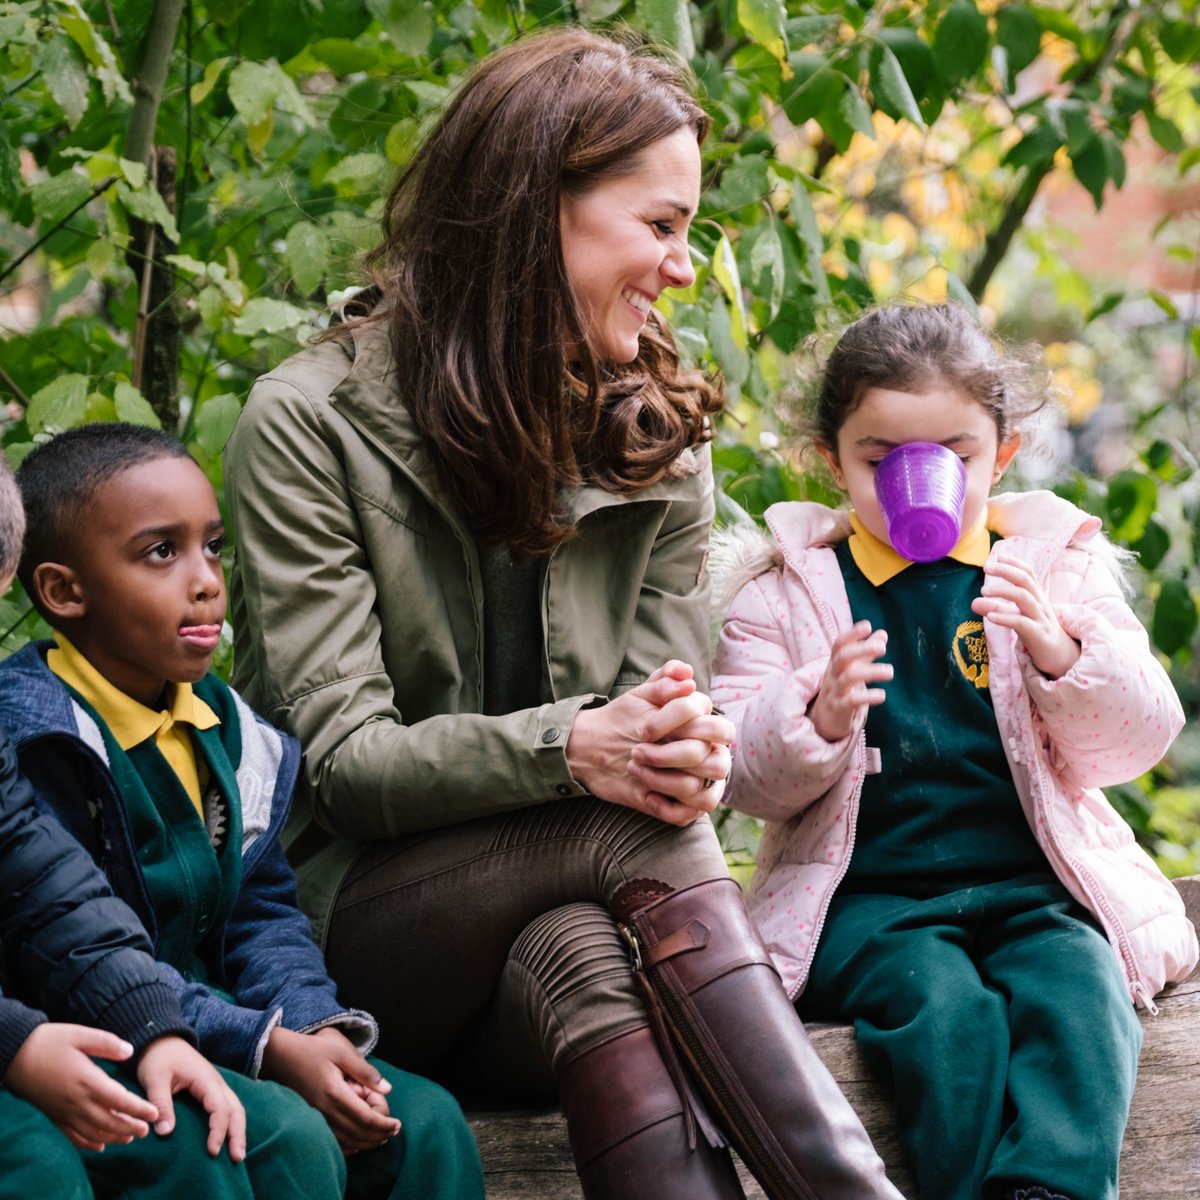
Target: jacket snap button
[551,735]
[202,924]
[563,789]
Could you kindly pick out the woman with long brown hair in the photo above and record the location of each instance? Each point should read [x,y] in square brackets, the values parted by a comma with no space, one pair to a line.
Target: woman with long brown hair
[472,527]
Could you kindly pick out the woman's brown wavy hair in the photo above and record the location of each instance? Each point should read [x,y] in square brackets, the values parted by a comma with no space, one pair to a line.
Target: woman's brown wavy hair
[482,313]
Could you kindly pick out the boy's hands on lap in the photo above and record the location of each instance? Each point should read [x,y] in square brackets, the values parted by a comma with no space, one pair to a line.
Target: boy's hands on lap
[54,1071]
[1013,597]
[326,1069]
[845,692]
[169,1065]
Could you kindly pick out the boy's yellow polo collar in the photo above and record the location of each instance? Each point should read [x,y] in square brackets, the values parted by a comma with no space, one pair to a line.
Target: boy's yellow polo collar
[879,562]
[129,721]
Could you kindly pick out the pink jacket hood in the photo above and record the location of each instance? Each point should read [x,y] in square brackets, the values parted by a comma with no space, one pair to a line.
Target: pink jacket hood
[1108,720]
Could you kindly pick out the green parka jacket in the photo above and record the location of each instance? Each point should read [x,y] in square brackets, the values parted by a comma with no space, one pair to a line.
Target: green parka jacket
[357,611]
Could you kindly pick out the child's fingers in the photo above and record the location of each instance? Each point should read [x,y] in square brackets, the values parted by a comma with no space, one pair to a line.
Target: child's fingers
[79,1141]
[99,1043]
[158,1092]
[132,1113]
[359,1070]
[674,669]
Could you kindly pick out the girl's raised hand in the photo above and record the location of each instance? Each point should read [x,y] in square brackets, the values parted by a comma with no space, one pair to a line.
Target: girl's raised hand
[1013,597]
[845,691]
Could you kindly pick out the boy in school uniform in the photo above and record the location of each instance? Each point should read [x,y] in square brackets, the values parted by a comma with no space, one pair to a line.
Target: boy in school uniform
[180,793]
[74,951]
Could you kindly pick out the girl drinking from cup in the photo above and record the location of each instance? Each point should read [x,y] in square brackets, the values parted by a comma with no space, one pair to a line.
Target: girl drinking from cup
[926,741]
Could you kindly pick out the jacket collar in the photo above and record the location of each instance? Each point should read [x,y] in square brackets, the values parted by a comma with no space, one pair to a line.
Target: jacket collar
[1047,522]
[370,396]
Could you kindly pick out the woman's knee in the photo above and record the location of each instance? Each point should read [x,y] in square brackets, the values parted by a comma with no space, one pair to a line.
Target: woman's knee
[569,972]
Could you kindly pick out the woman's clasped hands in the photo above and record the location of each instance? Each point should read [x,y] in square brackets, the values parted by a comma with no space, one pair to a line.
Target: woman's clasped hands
[659,748]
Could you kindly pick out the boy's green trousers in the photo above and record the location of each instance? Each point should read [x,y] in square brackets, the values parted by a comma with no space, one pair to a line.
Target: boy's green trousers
[1002,1021]
[290,1152]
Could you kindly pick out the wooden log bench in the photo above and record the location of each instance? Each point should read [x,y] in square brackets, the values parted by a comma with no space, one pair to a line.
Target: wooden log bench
[526,1153]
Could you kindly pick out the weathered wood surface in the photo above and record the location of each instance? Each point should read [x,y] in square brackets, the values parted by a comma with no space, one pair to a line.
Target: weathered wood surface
[526,1154]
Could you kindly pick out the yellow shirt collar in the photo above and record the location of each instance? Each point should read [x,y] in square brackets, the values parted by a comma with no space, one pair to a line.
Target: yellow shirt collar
[879,562]
[129,721]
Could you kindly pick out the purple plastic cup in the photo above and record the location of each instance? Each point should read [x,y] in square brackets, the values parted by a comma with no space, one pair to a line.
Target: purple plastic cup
[921,487]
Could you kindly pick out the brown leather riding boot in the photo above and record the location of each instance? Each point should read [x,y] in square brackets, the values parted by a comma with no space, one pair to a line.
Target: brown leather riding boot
[628,1131]
[703,962]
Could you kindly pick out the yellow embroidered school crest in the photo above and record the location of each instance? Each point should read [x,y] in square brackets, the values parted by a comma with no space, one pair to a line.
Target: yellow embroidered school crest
[970,652]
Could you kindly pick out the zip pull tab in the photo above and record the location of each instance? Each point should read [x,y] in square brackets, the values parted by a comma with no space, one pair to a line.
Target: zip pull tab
[635,948]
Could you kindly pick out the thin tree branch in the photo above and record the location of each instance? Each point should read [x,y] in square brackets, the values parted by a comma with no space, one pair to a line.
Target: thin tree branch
[102,186]
[11,384]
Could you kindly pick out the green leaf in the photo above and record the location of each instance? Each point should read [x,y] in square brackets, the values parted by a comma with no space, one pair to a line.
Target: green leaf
[804,31]
[262,315]
[960,42]
[253,88]
[805,222]
[814,86]
[10,175]
[1188,159]
[59,405]
[1180,39]
[766,268]
[76,25]
[1106,305]
[147,205]
[745,181]
[891,86]
[1038,146]
[362,173]
[133,407]
[202,89]
[855,111]
[1165,303]
[1017,30]
[212,307]
[344,57]
[725,271]
[727,348]
[1091,169]
[669,21]
[307,255]
[215,421]
[53,198]
[409,24]
[1153,545]
[1114,159]
[66,78]
[765,21]
[1175,617]
[1131,500]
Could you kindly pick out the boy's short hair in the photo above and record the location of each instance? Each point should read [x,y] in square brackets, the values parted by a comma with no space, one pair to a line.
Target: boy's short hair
[59,478]
[12,522]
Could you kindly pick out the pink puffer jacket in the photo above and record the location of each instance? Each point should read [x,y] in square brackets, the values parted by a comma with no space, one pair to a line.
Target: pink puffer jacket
[1108,720]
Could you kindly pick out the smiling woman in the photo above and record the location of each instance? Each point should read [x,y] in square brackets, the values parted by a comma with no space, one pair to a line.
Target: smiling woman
[472,526]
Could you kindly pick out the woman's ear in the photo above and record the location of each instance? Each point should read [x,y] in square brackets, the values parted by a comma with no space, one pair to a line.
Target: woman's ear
[835,469]
[1005,454]
[57,590]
